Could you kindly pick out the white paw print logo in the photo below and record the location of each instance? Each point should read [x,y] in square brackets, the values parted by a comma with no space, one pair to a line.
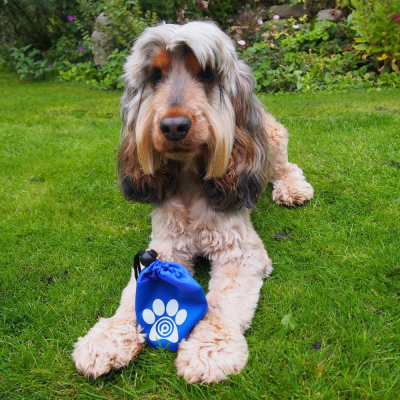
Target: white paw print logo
[164,327]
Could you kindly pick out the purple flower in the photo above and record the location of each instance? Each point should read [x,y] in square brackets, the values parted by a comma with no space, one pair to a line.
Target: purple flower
[295,26]
[80,48]
[70,18]
[49,66]
[260,22]
[276,16]
[395,16]
[241,42]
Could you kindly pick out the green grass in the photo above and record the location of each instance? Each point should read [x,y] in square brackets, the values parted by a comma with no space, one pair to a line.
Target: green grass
[327,325]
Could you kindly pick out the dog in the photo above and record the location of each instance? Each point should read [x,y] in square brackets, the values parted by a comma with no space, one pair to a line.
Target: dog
[199,146]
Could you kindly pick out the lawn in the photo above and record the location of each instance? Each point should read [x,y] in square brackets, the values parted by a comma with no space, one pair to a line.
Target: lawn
[327,325]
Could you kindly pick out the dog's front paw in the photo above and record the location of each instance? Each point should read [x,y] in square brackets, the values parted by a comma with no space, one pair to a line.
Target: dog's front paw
[292,193]
[211,353]
[111,344]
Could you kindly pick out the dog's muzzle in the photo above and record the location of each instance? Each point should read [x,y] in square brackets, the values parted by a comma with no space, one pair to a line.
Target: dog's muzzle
[175,128]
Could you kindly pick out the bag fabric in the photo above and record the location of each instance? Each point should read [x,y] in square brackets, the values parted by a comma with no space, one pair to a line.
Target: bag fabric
[169,302]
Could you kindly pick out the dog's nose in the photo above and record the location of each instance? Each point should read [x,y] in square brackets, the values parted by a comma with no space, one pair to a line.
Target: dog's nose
[175,128]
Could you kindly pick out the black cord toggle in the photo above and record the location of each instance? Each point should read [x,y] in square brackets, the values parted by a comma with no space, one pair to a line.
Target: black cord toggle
[148,257]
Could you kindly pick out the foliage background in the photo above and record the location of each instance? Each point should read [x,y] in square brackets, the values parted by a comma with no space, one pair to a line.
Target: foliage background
[51,39]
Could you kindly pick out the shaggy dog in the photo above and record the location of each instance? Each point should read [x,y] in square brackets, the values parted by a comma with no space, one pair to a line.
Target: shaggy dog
[198,145]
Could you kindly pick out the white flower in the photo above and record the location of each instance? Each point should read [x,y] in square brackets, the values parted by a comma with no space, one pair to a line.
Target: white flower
[260,22]
[295,26]
[241,42]
[276,16]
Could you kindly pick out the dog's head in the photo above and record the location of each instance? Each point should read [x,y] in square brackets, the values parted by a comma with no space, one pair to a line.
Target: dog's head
[189,103]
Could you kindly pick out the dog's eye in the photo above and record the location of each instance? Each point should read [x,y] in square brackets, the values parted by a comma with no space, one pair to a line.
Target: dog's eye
[206,75]
[156,76]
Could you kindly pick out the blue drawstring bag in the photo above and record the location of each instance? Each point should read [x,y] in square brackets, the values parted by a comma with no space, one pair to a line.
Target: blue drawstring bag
[169,302]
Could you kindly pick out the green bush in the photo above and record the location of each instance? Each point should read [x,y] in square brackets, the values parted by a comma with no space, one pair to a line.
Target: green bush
[186,10]
[106,77]
[286,55]
[42,23]
[126,21]
[84,72]
[377,25]
[71,55]
[28,64]
[301,55]
[317,5]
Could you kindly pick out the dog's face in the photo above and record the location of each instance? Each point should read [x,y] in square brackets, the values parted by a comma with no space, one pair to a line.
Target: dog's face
[189,102]
[181,127]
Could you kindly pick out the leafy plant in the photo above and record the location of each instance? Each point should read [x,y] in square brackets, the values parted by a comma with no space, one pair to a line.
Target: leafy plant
[67,49]
[390,79]
[28,64]
[110,74]
[377,27]
[296,55]
[126,21]
[39,22]
[106,77]
[186,10]
[81,72]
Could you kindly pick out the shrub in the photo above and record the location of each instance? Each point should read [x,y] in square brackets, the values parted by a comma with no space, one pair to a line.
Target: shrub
[42,23]
[126,21]
[377,25]
[28,64]
[106,77]
[286,55]
[71,55]
[186,10]
[306,56]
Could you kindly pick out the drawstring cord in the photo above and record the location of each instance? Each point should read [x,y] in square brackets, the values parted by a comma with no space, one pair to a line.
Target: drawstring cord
[148,257]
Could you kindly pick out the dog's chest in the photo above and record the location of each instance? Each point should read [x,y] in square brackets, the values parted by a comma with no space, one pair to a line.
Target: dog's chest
[195,211]
[186,212]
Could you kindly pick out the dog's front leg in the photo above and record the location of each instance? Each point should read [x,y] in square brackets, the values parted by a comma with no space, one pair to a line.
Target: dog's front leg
[217,346]
[112,342]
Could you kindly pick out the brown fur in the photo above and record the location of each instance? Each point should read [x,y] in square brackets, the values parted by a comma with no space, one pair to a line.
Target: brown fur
[162,60]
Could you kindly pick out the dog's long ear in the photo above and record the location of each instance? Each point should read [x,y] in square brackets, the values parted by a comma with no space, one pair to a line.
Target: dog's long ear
[245,178]
[136,185]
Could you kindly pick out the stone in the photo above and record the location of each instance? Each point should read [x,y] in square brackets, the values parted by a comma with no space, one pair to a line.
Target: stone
[101,41]
[330,14]
[101,22]
[286,11]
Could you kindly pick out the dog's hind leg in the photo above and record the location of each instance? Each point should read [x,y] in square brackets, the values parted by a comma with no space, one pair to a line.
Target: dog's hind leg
[289,183]
[112,342]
